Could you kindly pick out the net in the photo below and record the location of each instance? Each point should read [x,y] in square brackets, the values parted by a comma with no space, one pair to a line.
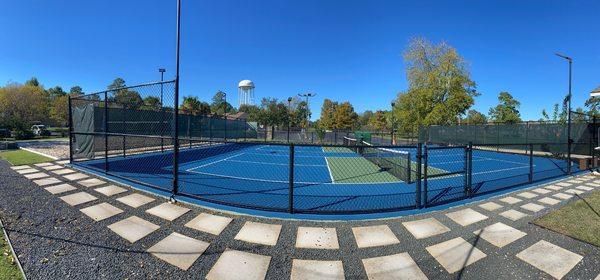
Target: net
[397,163]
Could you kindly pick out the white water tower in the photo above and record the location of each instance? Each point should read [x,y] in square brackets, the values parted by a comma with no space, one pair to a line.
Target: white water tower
[246,93]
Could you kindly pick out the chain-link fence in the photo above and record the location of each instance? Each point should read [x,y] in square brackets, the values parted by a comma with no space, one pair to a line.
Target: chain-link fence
[130,133]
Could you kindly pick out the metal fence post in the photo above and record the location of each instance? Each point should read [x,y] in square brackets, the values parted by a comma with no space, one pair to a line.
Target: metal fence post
[291,182]
[70,130]
[176,109]
[189,132]
[530,163]
[470,169]
[105,132]
[425,164]
[593,141]
[418,176]
[123,123]
[569,142]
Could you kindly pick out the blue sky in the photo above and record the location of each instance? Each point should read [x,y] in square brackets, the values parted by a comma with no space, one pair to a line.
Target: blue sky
[342,50]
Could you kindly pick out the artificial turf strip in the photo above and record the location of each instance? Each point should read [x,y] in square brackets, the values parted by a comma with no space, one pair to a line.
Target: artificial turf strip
[337,150]
[579,219]
[20,157]
[8,266]
[357,170]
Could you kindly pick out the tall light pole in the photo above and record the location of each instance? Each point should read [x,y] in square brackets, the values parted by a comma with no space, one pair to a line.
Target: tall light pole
[162,76]
[570,60]
[176,108]
[289,118]
[307,95]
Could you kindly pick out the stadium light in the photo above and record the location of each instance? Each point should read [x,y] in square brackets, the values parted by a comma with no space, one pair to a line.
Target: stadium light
[307,95]
[570,60]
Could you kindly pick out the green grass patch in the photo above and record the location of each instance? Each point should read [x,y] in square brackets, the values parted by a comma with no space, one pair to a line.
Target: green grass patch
[8,265]
[337,150]
[20,157]
[579,219]
[357,170]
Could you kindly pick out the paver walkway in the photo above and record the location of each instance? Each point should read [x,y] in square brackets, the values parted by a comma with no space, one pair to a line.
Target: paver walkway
[491,239]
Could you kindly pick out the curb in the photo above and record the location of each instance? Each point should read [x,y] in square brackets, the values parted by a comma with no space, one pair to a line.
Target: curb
[12,250]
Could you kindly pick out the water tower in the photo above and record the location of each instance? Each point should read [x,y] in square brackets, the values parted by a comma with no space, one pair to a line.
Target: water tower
[246,93]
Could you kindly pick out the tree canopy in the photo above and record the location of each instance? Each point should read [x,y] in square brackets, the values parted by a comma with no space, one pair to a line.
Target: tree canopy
[475,117]
[507,110]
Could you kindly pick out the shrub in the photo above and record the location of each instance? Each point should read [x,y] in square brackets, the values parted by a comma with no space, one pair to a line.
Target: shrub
[23,134]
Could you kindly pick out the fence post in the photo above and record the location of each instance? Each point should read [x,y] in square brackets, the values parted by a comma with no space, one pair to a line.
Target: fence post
[569,142]
[425,164]
[593,141]
[70,131]
[418,176]
[123,123]
[105,132]
[291,182]
[189,132]
[530,163]
[470,173]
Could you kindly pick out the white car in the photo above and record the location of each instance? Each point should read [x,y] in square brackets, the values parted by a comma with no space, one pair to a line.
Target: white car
[39,129]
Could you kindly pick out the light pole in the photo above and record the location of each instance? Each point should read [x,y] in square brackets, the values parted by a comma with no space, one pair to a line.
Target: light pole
[289,118]
[162,75]
[176,109]
[393,122]
[307,95]
[570,60]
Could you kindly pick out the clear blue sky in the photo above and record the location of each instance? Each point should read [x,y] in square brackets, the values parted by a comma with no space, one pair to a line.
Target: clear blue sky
[342,50]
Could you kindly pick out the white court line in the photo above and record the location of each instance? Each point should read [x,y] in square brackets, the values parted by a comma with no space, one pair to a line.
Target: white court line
[501,170]
[477,160]
[270,163]
[216,161]
[329,170]
[276,155]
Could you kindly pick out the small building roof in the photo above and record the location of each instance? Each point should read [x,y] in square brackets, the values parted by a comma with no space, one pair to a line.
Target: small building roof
[597,90]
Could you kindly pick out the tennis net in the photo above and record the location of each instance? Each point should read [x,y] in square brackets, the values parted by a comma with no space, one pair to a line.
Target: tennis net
[397,163]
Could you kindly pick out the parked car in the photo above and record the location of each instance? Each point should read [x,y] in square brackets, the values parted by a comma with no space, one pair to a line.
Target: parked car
[40,130]
[4,133]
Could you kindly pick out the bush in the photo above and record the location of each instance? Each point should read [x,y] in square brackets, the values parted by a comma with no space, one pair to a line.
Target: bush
[23,134]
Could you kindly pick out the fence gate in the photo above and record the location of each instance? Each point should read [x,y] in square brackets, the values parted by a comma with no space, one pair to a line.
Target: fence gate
[445,174]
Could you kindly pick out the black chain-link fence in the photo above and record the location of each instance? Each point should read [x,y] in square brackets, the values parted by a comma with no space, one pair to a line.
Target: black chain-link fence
[129,133]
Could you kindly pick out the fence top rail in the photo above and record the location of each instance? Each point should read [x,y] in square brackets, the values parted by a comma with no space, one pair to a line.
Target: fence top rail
[122,88]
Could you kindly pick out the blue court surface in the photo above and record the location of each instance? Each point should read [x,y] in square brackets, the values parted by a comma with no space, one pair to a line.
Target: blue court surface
[256,176]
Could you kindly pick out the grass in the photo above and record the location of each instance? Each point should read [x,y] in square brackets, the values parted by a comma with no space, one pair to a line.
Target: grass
[20,157]
[579,219]
[357,170]
[8,266]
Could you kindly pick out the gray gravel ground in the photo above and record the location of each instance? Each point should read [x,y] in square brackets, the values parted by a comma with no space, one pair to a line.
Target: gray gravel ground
[56,241]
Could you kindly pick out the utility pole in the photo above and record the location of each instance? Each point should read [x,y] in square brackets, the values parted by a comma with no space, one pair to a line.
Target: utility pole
[570,60]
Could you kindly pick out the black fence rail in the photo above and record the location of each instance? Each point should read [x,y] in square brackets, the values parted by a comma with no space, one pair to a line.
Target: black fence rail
[129,133]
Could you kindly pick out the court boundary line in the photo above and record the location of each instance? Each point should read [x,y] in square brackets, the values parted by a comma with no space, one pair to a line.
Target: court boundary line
[329,170]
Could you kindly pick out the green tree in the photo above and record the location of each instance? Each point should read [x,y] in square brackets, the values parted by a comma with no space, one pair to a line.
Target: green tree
[440,87]
[273,112]
[59,109]
[507,110]
[193,106]
[22,105]
[220,106]
[379,120]
[328,109]
[475,117]
[593,105]
[127,98]
[253,112]
[33,82]
[344,117]
[76,91]
[55,92]
[364,119]
[151,103]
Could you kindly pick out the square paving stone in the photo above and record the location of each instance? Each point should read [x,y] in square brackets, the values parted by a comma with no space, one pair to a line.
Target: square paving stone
[466,217]
[575,181]
[584,188]
[75,176]
[499,234]
[490,206]
[43,164]
[317,238]
[47,181]
[110,190]
[60,188]
[550,258]
[549,201]
[20,167]
[232,264]
[541,191]
[532,207]
[135,200]
[52,167]
[179,250]
[63,162]
[513,215]
[133,228]
[455,254]
[425,228]
[527,195]
[563,184]
[574,191]
[212,224]
[259,233]
[510,200]
[63,171]
[310,269]
[26,171]
[562,195]
[553,187]
[101,211]
[78,198]
[168,211]
[587,184]
[373,236]
[399,266]
[91,182]
[36,175]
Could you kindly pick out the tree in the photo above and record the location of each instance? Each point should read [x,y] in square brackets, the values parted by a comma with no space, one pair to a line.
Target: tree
[117,83]
[55,92]
[193,106]
[76,91]
[151,103]
[475,117]
[220,106]
[59,109]
[364,119]
[507,111]
[440,87]
[593,104]
[253,112]
[273,112]
[344,116]
[327,114]
[127,98]
[32,82]
[22,105]
[379,120]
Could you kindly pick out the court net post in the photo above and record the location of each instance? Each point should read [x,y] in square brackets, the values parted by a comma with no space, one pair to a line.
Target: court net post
[425,156]
[418,176]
